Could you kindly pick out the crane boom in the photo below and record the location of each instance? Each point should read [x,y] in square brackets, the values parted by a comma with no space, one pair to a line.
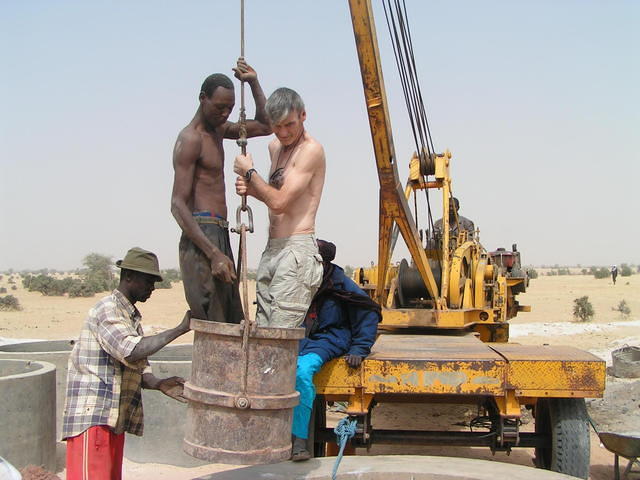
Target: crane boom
[393,204]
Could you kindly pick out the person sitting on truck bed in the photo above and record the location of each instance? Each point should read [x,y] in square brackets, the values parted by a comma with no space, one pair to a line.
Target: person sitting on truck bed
[342,319]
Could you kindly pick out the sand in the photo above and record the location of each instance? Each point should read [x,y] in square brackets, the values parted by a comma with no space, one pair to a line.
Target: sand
[550,321]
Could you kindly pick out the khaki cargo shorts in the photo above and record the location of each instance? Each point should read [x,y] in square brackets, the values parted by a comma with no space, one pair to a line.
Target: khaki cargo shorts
[288,277]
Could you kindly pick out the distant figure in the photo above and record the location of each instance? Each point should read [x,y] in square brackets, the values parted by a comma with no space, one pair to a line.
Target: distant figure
[614,273]
[198,199]
[463,222]
[290,269]
[342,321]
[108,368]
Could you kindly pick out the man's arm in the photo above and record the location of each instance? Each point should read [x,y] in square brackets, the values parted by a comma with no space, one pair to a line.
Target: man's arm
[259,126]
[185,158]
[298,178]
[147,346]
[172,387]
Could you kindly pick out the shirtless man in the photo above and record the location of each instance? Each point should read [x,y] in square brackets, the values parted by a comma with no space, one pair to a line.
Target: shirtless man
[198,199]
[290,269]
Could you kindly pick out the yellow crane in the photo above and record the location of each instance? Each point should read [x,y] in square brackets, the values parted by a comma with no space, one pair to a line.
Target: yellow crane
[444,334]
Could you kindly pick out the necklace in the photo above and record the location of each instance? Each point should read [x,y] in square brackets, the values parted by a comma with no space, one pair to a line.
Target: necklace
[277,177]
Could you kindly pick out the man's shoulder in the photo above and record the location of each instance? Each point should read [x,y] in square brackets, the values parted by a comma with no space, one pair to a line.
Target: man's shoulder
[313,153]
[106,302]
[190,134]
[313,146]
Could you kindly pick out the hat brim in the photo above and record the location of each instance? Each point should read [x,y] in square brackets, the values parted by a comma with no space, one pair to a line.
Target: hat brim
[121,264]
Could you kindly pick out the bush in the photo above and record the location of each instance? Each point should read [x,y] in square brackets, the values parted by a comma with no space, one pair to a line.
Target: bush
[623,308]
[80,289]
[532,272]
[13,287]
[165,283]
[47,285]
[601,272]
[625,270]
[582,309]
[9,303]
[3,290]
[585,271]
[171,275]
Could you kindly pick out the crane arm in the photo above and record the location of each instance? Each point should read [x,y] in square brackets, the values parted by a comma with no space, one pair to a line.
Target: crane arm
[393,204]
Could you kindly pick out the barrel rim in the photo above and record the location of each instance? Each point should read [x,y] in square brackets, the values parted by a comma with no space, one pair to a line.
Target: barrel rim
[235,330]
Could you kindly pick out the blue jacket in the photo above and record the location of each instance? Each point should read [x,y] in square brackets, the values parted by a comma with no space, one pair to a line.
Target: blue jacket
[341,328]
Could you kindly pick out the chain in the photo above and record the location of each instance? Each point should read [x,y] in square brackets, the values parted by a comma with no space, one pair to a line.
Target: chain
[242,401]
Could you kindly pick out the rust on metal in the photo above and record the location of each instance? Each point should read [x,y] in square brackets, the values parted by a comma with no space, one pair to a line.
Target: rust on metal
[226,421]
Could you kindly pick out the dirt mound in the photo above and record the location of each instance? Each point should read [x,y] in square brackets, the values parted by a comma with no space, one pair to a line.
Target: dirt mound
[619,409]
[31,472]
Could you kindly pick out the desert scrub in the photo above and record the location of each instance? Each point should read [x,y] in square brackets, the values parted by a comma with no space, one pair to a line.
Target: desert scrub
[582,309]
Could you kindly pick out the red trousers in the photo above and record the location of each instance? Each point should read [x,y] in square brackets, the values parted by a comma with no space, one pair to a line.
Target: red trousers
[95,454]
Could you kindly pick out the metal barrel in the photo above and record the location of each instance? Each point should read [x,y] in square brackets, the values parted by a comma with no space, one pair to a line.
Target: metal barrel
[227,423]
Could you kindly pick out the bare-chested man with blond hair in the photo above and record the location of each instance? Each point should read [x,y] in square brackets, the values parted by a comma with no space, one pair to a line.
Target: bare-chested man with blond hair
[198,200]
[290,269]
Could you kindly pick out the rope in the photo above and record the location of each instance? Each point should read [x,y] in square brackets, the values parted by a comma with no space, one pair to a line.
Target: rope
[344,431]
[400,36]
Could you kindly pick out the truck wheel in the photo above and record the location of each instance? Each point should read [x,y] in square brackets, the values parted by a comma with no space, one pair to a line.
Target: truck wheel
[565,422]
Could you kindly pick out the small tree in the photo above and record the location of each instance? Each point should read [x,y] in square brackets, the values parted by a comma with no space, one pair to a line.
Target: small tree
[532,272]
[348,271]
[98,274]
[3,290]
[9,303]
[625,270]
[623,308]
[582,309]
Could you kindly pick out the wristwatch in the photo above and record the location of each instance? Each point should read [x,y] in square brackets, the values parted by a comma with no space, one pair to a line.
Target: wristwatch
[247,176]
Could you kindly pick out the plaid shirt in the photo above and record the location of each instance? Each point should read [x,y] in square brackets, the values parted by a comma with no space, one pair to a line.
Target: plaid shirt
[102,387]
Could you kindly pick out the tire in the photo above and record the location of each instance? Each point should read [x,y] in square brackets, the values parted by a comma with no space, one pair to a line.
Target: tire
[566,423]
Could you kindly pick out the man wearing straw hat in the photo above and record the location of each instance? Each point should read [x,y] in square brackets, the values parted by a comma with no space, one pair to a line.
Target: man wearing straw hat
[108,368]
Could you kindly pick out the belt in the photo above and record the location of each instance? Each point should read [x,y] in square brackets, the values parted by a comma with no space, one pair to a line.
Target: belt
[214,220]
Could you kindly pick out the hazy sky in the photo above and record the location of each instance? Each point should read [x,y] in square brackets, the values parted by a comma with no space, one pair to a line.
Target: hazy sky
[538,101]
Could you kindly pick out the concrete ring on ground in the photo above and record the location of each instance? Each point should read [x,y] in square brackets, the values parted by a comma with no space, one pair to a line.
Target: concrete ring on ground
[28,413]
[52,351]
[397,467]
[162,442]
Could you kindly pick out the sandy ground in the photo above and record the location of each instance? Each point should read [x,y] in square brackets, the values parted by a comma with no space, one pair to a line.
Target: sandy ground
[550,322]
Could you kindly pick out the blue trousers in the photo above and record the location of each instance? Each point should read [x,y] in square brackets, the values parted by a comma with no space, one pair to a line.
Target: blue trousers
[308,366]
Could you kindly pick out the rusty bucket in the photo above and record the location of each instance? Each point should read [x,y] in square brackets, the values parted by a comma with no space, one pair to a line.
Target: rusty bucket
[241,399]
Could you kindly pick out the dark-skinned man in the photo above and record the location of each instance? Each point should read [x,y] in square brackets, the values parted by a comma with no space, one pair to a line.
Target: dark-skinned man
[108,368]
[198,200]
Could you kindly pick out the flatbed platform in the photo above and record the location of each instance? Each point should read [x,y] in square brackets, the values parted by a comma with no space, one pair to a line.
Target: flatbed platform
[463,365]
